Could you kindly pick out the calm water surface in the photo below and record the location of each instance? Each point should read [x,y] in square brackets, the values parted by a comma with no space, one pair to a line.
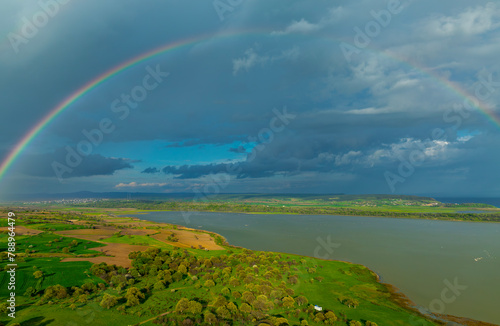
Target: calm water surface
[417,256]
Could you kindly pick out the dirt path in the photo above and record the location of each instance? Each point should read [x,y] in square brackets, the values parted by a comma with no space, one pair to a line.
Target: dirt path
[151,319]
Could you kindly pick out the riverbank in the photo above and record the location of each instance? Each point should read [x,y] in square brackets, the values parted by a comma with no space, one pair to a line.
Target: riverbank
[396,295]
[349,291]
[298,235]
[439,211]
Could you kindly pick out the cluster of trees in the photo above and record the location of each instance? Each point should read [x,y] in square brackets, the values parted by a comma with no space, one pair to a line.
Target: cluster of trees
[246,287]
[351,303]
[172,237]
[254,287]
[115,276]
[74,294]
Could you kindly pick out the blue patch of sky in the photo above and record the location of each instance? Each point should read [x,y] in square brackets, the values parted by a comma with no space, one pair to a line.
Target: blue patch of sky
[157,154]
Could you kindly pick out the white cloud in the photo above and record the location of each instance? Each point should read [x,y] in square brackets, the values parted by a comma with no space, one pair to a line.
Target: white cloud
[139,185]
[472,21]
[430,152]
[251,59]
[369,111]
[424,151]
[304,27]
[248,61]
[301,26]
[347,158]
[405,83]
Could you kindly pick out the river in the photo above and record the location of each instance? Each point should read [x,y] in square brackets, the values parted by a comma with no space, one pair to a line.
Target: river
[423,258]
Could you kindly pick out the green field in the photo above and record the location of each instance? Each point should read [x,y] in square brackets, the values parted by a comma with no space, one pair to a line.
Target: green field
[56,226]
[137,240]
[48,242]
[55,272]
[323,283]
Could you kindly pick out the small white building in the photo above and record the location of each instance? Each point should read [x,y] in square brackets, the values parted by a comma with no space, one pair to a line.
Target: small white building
[318,308]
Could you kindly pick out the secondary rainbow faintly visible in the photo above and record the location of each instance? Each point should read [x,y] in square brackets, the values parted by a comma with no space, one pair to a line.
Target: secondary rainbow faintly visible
[24,142]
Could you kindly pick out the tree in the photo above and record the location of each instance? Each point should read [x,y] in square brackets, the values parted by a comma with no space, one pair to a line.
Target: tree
[288,302]
[210,318]
[65,250]
[225,291]
[160,285]
[293,279]
[74,243]
[331,318]
[30,292]
[319,317]
[38,274]
[177,276]
[209,284]
[57,291]
[133,296]
[219,301]
[223,312]
[248,296]
[182,269]
[89,286]
[245,307]
[281,321]
[108,301]
[234,282]
[76,291]
[351,303]
[370,323]
[182,305]
[187,322]
[194,307]
[82,298]
[232,307]
[354,323]
[301,300]
[261,302]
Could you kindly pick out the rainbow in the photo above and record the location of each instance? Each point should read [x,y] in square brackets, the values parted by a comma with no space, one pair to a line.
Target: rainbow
[67,102]
[453,87]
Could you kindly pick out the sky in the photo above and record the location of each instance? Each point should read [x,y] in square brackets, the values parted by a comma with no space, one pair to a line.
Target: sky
[283,96]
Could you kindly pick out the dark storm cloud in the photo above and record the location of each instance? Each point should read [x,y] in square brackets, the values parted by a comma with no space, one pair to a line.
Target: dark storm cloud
[354,119]
[151,170]
[92,165]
